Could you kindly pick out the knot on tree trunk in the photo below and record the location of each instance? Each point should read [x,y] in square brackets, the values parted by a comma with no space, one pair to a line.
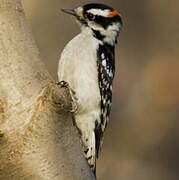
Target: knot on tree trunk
[58,97]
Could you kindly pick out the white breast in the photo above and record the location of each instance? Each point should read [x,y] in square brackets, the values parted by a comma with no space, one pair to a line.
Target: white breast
[78,67]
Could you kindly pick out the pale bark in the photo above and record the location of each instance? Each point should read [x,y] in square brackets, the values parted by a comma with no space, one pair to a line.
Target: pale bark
[37,138]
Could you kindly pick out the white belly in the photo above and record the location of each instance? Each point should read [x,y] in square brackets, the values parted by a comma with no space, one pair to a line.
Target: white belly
[78,67]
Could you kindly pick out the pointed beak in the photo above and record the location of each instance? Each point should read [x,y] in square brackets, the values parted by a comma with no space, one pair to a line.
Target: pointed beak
[77,12]
[69,11]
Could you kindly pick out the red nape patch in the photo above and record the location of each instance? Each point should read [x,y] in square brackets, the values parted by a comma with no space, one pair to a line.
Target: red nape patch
[114,13]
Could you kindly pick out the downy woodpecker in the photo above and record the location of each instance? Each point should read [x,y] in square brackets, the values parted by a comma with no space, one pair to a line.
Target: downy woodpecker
[87,64]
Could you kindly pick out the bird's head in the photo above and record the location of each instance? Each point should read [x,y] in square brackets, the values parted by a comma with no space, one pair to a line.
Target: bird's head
[104,21]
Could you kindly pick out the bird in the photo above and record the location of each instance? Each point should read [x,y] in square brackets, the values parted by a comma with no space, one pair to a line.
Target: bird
[87,65]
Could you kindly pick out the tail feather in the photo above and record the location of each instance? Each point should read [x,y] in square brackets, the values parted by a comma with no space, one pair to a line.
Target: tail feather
[90,150]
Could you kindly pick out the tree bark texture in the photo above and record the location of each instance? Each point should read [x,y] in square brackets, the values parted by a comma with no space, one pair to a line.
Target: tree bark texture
[37,138]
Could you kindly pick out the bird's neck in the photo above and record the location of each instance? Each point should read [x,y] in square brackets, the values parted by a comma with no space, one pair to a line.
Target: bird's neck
[108,38]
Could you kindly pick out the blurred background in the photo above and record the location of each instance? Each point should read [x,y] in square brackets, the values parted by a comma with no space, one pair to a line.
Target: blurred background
[142,139]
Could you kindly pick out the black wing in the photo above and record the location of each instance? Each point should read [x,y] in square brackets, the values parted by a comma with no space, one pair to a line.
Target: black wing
[106,71]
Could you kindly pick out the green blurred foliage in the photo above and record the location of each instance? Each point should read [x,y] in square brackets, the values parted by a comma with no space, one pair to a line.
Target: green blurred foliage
[141,142]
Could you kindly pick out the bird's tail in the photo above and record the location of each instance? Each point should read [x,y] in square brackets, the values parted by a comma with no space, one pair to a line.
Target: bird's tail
[90,150]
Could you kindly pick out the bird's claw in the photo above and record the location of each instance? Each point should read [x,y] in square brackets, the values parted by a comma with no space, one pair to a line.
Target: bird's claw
[62,84]
[74,104]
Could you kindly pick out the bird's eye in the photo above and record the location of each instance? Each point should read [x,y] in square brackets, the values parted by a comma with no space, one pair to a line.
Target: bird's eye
[90,16]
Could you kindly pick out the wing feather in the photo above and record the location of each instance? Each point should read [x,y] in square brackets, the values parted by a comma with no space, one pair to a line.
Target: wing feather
[106,71]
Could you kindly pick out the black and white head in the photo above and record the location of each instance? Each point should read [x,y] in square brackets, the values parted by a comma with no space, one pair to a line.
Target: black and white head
[103,20]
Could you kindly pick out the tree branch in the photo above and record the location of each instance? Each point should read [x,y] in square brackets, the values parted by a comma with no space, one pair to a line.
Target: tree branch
[37,136]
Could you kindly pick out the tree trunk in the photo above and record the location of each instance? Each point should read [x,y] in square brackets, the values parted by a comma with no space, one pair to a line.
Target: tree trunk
[37,138]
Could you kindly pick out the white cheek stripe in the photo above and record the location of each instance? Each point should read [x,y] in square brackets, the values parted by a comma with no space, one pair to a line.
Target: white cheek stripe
[104,13]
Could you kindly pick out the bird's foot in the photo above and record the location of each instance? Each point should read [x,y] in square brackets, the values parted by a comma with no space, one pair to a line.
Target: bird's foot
[62,84]
[74,103]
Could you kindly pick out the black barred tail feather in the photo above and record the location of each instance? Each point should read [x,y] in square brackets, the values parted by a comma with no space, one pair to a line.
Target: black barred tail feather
[90,151]
[91,162]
